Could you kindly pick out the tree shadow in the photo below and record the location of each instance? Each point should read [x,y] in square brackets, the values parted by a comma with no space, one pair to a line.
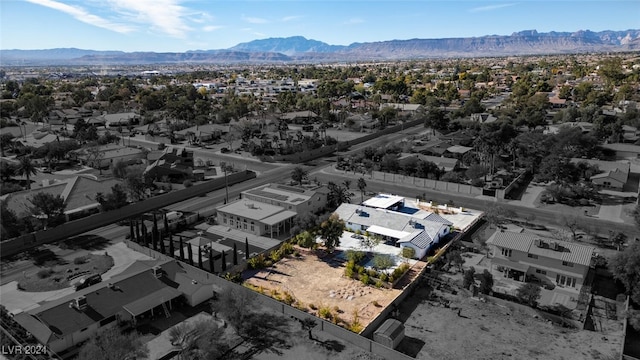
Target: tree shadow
[331,345]
[266,333]
[86,242]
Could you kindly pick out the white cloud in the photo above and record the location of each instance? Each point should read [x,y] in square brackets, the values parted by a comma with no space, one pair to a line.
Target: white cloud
[209,28]
[84,16]
[490,7]
[166,16]
[291,18]
[354,21]
[254,20]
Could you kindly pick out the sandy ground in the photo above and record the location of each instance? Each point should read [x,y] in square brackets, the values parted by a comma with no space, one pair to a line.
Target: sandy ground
[315,281]
[498,330]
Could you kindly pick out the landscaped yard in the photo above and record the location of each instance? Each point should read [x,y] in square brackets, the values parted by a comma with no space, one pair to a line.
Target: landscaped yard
[318,285]
[59,274]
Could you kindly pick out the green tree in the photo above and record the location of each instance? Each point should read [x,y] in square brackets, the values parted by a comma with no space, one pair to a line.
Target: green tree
[10,225]
[47,207]
[529,293]
[469,277]
[112,344]
[370,240]
[486,282]
[337,195]
[5,140]
[298,174]
[331,230]
[26,168]
[625,266]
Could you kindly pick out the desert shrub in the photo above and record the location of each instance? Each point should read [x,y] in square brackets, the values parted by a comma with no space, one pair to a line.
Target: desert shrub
[80,260]
[379,284]
[286,249]
[275,255]
[408,252]
[355,256]
[383,277]
[305,239]
[287,298]
[257,262]
[382,261]
[356,327]
[375,303]
[44,273]
[325,313]
[349,270]
[364,278]
[372,273]
[187,183]
[313,307]
[400,270]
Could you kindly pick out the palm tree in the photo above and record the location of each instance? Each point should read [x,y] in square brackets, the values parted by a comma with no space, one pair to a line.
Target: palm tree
[362,186]
[27,168]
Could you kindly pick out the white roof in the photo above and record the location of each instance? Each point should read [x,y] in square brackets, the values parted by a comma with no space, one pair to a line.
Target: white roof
[383,201]
[387,232]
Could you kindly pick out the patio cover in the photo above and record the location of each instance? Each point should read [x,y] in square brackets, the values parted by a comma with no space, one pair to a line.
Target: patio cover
[510,264]
[281,216]
[387,232]
[152,300]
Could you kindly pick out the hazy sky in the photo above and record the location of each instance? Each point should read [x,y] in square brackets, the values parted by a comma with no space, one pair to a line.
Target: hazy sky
[180,25]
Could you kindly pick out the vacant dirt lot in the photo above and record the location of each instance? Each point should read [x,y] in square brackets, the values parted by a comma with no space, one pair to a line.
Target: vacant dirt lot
[320,282]
[487,330]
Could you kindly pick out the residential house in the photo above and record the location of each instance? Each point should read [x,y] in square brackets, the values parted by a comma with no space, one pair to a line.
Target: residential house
[299,117]
[145,289]
[174,163]
[612,175]
[529,257]
[444,163]
[202,133]
[483,118]
[302,200]
[103,156]
[255,217]
[623,151]
[387,217]
[79,195]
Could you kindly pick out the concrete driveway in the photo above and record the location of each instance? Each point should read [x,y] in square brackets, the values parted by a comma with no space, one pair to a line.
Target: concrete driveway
[16,300]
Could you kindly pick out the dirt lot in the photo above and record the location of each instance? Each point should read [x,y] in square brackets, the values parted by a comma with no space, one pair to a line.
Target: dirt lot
[488,330]
[320,282]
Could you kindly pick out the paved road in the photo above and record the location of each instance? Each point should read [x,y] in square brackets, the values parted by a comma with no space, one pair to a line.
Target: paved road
[542,216]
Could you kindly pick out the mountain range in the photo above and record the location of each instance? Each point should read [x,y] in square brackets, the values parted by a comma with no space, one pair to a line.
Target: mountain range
[298,49]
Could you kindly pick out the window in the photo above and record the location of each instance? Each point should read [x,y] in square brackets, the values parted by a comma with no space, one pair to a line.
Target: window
[253,227]
[244,226]
[224,220]
[543,272]
[567,264]
[506,252]
[231,222]
[532,256]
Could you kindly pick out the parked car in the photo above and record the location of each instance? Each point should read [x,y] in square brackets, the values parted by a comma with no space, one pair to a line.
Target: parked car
[87,281]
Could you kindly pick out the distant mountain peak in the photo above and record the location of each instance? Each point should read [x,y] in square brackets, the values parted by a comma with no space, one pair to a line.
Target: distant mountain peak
[301,49]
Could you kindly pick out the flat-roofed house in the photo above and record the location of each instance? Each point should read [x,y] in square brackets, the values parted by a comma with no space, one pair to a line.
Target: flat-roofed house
[522,257]
[302,200]
[256,217]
